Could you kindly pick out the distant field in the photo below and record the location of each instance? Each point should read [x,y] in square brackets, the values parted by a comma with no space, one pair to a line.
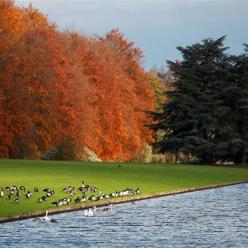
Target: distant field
[108,177]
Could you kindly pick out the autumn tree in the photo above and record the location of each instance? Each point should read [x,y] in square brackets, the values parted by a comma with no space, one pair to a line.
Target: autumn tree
[91,90]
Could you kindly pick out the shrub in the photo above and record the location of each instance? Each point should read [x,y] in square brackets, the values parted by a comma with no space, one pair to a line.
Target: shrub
[144,156]
[64,150]
[52,154]
[166,158]
[87,155]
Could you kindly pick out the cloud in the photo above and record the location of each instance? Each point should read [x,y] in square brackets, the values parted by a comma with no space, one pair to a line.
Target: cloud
[155,26]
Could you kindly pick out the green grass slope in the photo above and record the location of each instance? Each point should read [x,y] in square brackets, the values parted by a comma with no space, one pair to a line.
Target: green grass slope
[108,177]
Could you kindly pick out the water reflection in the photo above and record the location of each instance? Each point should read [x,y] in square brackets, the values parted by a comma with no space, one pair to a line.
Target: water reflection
[209,218]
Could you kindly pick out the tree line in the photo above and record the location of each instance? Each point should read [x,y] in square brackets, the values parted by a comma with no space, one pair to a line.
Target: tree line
[64,88]
[64,91]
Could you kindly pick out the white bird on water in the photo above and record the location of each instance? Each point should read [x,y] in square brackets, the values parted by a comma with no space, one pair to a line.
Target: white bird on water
[88,212]
[46,218]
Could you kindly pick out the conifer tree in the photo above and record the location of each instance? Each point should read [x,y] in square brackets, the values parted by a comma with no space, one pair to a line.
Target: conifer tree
[191,117]
[240,105]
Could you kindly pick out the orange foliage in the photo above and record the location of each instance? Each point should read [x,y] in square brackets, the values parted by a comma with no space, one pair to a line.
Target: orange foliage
[56,85]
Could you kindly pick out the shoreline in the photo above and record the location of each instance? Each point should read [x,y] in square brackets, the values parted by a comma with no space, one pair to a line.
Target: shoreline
[115,201]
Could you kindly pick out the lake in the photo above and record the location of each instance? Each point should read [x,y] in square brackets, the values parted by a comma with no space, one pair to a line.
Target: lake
[209,218]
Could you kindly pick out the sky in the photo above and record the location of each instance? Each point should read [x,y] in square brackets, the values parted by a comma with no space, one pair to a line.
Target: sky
[156,26]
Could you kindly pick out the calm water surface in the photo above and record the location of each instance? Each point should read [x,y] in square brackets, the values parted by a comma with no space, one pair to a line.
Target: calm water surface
[209,218]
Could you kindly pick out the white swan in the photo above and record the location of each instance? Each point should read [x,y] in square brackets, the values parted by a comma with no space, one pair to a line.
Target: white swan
[46,218]
[88,212]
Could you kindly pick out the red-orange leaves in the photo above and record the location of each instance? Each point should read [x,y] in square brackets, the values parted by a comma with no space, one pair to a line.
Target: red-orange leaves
[54,84]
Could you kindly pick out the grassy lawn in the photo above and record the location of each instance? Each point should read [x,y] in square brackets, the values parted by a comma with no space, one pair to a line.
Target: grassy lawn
[108,177]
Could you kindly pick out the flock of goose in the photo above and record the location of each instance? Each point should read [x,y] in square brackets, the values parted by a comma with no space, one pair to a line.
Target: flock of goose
[14,193]
[81,193]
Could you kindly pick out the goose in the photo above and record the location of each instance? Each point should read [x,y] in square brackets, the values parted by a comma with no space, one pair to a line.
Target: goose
[22,188]
[108,209]
[83,198]
[40,200]
[125,192]
[84,189]
[17,200]
[49,191]
[1,193]
[100,197]
[68,188]
[18,193]
[112,194]
[37,219]
[66,201]
[36,190]
[9,196]
[106,196]
[92,198]
[11,188]
[53,220]
[44,198]
[81,188]
[58,203]
[83,184]
[29,194]
[137,191]
[46,190]
[93,189]
[71,193]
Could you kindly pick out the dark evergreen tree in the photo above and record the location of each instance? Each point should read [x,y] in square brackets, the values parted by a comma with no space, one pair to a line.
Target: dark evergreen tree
[196,120]
[239,98]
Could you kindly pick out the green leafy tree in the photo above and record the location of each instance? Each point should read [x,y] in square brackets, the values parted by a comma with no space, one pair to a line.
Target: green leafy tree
[158,88]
